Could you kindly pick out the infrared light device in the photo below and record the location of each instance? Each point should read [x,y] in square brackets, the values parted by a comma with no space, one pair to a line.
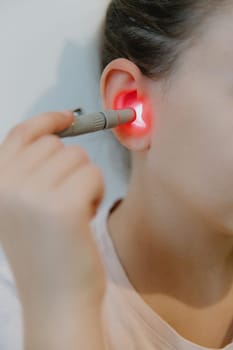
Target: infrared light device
[88,123]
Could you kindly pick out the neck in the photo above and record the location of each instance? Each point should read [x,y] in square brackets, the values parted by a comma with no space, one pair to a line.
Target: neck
[166,247]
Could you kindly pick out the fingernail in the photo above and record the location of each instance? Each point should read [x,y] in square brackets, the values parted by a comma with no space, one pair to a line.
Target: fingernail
[67,113]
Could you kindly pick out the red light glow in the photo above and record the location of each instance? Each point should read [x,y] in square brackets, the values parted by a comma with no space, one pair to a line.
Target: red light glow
[142,123]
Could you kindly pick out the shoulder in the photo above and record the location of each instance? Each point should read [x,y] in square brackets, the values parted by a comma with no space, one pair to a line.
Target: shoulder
[99,223]
[99,226]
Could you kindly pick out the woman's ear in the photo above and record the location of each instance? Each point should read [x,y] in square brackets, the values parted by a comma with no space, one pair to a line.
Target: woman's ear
[122,86]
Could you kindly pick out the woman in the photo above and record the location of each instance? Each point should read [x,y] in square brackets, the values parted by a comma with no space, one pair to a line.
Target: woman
[167,246]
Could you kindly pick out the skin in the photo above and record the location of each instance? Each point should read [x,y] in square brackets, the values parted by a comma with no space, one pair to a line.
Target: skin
[49,193]
[173,232]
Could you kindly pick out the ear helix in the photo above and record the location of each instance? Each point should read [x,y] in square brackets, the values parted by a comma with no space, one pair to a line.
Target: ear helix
[141,125]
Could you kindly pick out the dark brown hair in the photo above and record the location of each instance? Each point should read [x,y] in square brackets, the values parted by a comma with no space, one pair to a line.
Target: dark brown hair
[152,33]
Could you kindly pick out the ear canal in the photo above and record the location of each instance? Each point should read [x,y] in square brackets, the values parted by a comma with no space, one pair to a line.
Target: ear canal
[129,99]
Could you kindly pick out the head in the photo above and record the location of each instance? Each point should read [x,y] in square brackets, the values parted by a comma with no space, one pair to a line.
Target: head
[175,59]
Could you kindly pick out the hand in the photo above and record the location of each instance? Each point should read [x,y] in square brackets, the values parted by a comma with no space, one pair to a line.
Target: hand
[49,193]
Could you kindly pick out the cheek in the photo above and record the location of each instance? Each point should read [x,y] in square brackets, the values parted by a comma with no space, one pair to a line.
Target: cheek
[192,154]
[142,124]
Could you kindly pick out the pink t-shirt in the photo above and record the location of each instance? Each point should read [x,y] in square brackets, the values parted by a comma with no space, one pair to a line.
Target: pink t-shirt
[129,323]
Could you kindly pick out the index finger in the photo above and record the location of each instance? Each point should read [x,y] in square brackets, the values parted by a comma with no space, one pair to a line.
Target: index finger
[30,130]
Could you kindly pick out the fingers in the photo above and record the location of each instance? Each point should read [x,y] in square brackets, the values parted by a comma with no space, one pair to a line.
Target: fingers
[31,159]
[40,167]
[30,130]
[83,191]
[56,168]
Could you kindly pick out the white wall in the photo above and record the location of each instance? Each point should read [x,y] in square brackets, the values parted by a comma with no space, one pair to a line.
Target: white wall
[49,61]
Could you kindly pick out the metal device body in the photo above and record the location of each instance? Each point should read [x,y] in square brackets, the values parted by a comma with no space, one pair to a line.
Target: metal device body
[89,123]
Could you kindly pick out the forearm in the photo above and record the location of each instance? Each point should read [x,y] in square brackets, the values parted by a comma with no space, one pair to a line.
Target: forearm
[67,328]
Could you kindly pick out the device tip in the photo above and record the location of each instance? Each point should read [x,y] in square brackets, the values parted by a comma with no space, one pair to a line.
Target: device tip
[134,114]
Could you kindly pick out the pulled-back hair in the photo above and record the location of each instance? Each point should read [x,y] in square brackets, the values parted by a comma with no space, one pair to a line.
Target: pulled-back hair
[152,33]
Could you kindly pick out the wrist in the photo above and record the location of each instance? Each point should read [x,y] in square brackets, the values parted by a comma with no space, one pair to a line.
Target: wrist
[34,301]
[60,305]
[66,326]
